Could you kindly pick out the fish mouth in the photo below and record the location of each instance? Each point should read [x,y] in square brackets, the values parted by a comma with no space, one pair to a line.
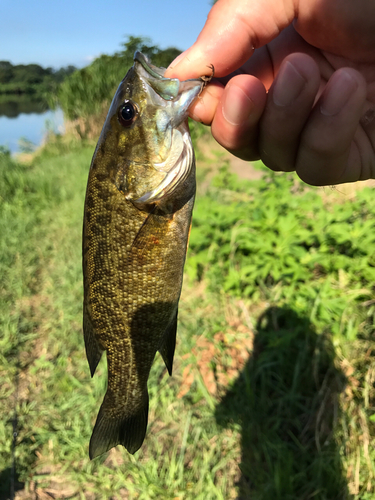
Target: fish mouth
[169,89]
[152,70]
[174,97]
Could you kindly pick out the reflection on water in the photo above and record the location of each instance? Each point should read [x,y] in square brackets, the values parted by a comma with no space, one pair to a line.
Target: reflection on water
[28,119]
[17,105]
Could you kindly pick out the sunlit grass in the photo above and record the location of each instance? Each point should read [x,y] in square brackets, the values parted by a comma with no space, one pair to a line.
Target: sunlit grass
[272,395]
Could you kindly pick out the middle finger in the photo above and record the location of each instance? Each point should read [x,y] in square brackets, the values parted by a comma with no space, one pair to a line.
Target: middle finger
[289,103]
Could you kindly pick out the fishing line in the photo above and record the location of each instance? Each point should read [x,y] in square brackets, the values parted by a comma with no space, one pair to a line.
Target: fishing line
[15,423]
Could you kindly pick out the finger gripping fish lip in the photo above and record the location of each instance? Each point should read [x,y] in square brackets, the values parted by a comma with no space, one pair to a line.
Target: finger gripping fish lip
[168,88]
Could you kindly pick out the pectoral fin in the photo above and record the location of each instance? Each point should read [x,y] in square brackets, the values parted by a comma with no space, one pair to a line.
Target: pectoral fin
[145,229]
[168,345]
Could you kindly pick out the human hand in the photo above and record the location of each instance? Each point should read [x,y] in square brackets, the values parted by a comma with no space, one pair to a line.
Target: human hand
[316,58]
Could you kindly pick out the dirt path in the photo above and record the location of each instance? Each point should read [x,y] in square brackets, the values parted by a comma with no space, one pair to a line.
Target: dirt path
[246,170]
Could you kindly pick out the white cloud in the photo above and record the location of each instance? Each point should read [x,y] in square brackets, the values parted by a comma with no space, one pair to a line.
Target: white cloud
[90,58]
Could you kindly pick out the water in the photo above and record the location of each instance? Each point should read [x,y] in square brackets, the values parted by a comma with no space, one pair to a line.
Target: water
[31,126]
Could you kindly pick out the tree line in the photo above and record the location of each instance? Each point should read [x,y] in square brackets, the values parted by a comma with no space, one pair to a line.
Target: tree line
[30,78]
[81,93]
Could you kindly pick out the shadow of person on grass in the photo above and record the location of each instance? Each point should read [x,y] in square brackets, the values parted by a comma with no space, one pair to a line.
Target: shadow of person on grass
[286,402]
[9,484]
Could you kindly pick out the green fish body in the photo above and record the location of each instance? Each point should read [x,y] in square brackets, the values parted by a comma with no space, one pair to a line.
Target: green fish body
[137,216]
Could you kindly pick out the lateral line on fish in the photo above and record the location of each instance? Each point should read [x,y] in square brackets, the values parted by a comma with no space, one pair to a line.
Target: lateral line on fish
[112,254]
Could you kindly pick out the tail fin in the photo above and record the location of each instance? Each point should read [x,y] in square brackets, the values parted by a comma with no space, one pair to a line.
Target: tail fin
[128,430]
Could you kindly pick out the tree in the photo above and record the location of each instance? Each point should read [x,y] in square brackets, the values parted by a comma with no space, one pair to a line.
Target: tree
[6,71]
[159,57]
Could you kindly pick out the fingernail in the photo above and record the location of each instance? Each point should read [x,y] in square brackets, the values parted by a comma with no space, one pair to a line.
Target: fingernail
[177,60]
[237,106]
[289,84]
[337,93]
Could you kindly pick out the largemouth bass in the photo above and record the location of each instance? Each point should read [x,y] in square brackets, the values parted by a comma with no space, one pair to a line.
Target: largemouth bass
[137,216]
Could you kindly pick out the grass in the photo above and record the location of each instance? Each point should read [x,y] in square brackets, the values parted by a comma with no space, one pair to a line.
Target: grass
[272,395]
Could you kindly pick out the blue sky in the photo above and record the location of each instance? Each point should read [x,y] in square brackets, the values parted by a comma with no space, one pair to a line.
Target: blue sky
[57,33]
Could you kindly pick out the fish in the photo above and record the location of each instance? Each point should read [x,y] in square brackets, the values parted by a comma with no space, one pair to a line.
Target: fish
[137,219]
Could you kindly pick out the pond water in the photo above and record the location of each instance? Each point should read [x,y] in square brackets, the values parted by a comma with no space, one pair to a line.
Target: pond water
[29,124]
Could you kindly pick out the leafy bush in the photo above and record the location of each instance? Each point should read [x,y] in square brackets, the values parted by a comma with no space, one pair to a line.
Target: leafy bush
[265,403]
[275,240]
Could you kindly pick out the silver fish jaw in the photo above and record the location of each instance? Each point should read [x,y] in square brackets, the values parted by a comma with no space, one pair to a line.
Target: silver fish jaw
[174,98]
[174,177]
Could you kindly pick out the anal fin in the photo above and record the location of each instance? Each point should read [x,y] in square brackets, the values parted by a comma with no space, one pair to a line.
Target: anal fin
[168,345]
[93,350]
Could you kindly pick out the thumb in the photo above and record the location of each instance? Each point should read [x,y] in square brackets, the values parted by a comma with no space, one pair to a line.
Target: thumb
[234,28]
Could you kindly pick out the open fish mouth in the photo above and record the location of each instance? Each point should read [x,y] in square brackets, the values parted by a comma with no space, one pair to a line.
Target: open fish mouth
[168,88]
[153,70]
[174,98]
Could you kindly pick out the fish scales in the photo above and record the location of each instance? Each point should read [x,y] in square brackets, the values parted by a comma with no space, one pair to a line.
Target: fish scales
[138,207]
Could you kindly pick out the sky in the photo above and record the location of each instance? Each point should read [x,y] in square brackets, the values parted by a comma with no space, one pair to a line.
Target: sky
[55,33]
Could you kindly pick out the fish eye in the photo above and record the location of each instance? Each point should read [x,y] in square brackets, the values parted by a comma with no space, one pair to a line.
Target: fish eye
[127,113]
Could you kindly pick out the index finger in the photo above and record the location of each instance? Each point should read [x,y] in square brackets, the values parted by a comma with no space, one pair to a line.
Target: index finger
[233,30]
